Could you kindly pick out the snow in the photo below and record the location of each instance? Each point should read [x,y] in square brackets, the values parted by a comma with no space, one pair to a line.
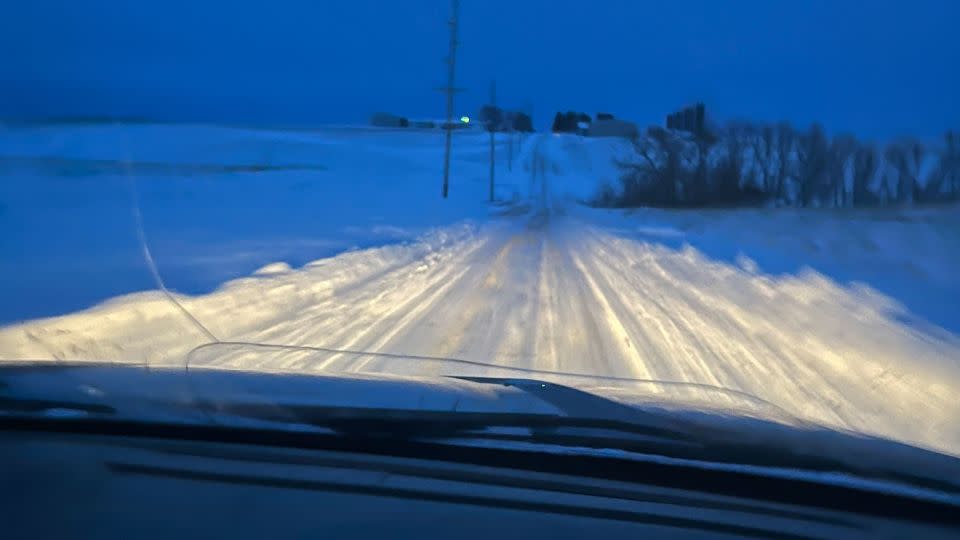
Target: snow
[908,255]
[70,192]
[845,318]
[273,269]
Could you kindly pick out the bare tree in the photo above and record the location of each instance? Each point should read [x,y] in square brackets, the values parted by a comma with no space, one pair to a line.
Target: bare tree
[864,166]
[763,142]
[906,157]
[657,173]
[749,164]
[696,183]
[947,180]
[786,138]
[842,149]
[888,178]
[812,163]
[952,158]
[728,177]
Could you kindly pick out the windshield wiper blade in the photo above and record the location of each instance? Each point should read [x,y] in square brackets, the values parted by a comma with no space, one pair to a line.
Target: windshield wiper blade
[579,409]
[439,425]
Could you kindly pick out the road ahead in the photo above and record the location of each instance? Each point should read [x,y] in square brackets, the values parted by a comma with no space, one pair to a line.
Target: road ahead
[548,287]
[548,291]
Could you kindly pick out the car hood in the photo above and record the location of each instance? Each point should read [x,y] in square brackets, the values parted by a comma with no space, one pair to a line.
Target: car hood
[175,395]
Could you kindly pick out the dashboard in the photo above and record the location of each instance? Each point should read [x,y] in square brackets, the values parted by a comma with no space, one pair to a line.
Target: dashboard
[68,485]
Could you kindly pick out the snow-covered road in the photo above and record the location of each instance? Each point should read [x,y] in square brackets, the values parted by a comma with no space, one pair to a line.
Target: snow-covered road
[551,291]
[560,287]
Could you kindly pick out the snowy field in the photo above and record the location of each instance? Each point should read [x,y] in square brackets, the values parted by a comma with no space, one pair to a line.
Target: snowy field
[338,239]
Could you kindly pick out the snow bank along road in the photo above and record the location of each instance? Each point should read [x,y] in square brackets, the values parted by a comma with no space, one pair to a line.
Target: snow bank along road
[551,290]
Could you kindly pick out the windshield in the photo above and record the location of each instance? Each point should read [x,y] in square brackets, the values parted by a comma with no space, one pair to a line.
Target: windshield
[751,209]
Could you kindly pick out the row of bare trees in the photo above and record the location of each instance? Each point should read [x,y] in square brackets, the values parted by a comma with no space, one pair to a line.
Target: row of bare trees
[776,164]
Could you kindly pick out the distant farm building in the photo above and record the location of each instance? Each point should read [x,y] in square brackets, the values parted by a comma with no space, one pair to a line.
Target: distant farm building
[571,122]
[607,126]
[493,118]
[387,120]
[462,123]
[382,119]
[691,119]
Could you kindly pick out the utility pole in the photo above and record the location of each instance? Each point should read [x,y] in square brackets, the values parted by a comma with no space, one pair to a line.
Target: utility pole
[493,132]
[510,148]
[450,90]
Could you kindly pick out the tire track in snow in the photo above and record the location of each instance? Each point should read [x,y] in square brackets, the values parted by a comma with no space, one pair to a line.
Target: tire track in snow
[346,320]
[408,298]
[582,340]
[727,350]
[760,356]
[612,315]
[486,317]
[546,327]
[458,312]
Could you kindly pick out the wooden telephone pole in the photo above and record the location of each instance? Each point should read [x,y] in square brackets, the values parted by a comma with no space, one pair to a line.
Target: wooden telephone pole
[450,90]
[493,132]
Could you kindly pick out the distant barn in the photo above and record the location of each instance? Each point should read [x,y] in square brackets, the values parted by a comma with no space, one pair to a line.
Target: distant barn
[691,119]
[612,127]
[382,119]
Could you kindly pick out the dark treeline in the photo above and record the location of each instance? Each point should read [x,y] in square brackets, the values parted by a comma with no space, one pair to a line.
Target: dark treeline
[496,119]
[568,122]
[747,164]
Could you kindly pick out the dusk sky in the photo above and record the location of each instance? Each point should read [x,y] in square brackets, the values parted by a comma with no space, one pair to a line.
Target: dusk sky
[879,68]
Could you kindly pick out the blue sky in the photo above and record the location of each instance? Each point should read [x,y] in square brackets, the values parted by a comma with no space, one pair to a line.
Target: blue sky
[879,68]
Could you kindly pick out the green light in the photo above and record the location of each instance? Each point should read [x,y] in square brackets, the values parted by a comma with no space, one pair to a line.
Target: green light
[465,119]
